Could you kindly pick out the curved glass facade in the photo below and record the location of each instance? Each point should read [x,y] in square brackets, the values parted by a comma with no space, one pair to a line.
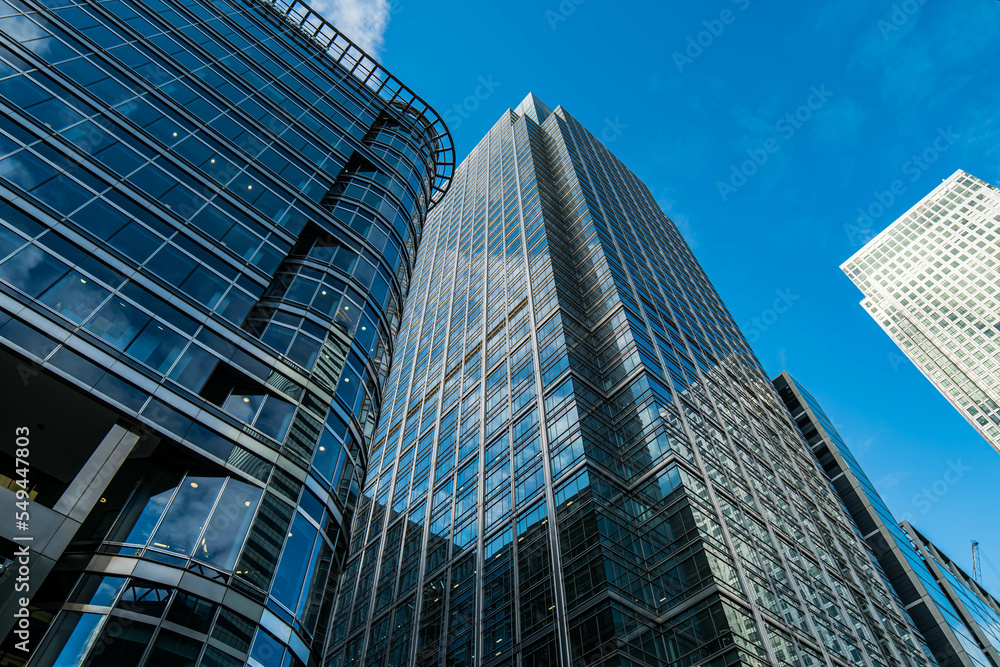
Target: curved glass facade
[209,218]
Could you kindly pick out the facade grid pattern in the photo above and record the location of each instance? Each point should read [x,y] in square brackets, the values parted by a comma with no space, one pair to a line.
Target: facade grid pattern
[931,281]
[957,617]
[208,224]
[579,460]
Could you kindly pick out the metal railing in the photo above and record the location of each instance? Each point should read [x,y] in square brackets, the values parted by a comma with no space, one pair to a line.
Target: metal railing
[400,99]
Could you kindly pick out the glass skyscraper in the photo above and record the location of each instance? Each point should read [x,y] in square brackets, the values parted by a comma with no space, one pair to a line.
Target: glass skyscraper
[579,460]
[930,280]
[209,215]
[957,617]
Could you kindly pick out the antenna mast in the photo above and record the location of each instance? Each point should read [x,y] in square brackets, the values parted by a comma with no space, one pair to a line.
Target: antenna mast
[977,569]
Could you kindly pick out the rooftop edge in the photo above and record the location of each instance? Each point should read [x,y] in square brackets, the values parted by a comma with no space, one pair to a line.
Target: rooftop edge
[378,80]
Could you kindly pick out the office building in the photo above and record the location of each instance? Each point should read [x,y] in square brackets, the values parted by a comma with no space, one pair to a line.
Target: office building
[210,213]
[957,617]
[930,280]
[579,460]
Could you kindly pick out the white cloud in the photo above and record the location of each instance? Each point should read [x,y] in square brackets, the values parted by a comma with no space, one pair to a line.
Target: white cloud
[363,21]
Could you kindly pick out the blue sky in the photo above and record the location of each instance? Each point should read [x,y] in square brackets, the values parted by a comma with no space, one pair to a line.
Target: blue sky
[686,90]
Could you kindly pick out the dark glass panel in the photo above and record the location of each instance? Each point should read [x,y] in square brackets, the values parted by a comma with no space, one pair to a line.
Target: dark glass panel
[295,560]
[75,297]
[187,514]
[228,526]
[122,642]
[173,650]
[32,270]
[69,639]
[117,323]
[97,590]
[157,347]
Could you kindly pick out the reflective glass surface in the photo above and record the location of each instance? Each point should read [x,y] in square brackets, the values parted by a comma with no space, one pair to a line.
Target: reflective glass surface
[579,460]
[962,619]
[209,218]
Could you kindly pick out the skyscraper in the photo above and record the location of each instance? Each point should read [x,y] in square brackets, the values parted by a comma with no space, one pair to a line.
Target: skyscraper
[930,280]
[957,617]
[579,460]
[210,213]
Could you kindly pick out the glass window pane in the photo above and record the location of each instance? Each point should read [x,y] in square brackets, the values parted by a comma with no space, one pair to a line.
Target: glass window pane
[205,286]
[157,347]
[9,241]
[145,509]
[75,296]
[294,561]
[69,639]
[243,406]
[233,630]
[327,455]
[323,248]
[326,299]
[228,526]
[100,591]
[212,221]
[100,218]
[145,597]
[120,644]
[136,242]
[235,306]
[266,650]
[274,418]
[24,170]
[304,350]
[173,650]
[315,580]
[63,194]
[301,290]
[194,368]
[215,658]
[241,241]
[171,264]
[278,337]
[192,612]
[187,514]
[117,323]
[120,159]
[345,259]
[32,270]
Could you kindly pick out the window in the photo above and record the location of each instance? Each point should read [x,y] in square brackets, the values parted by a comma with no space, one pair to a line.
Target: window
[196,516]
[117,323]
[295,564]
[70,638]
[32,270]
[75,296]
